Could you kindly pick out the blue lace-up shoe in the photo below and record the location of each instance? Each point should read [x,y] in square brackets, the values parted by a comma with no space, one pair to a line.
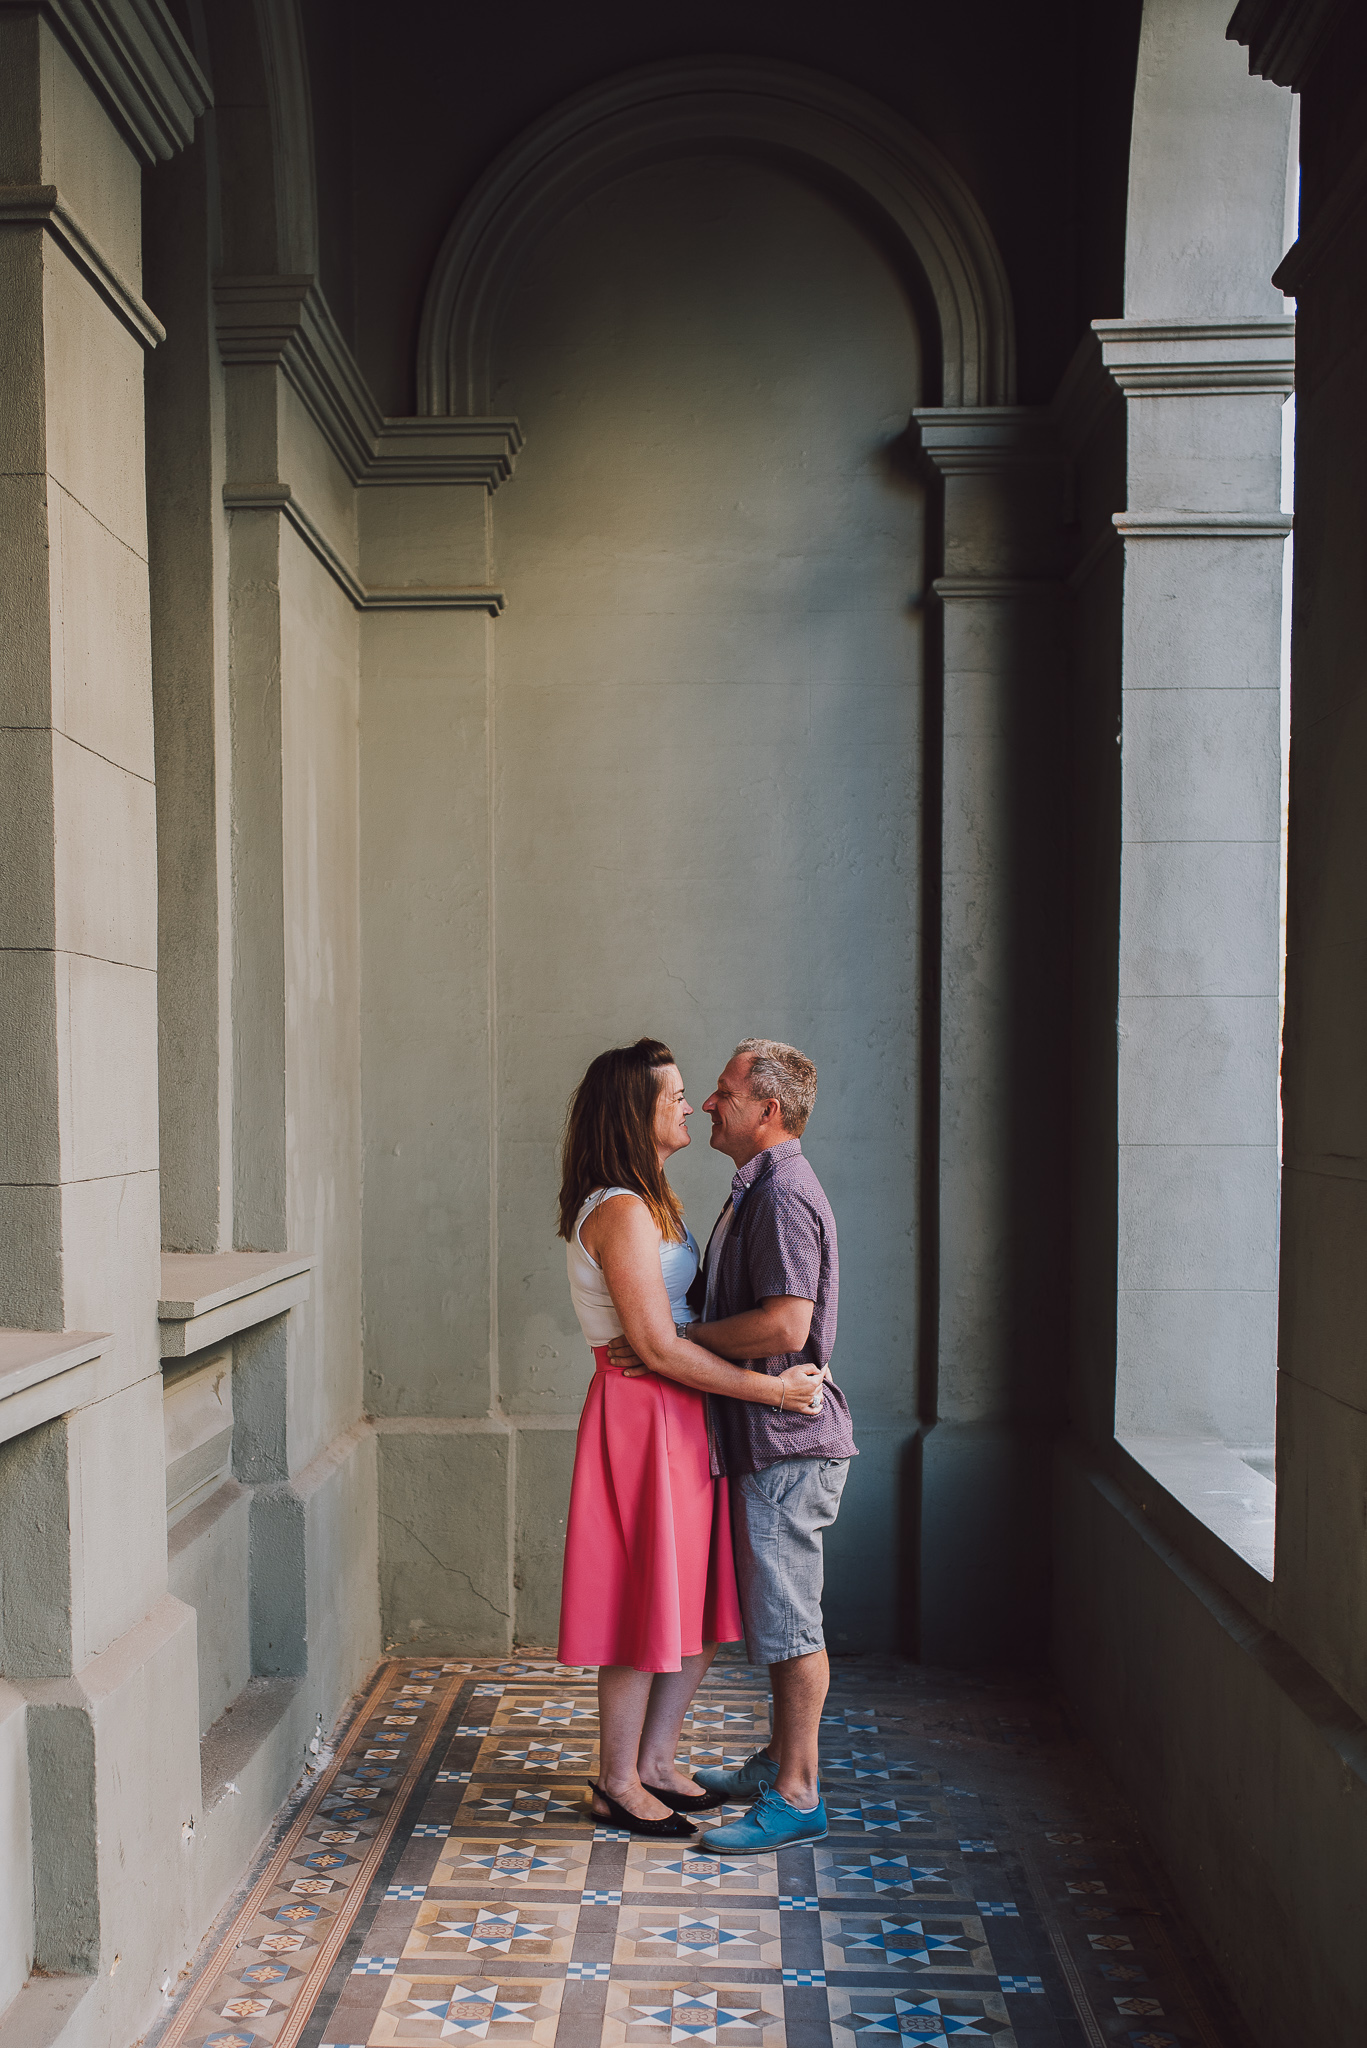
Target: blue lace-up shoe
[770,1824]
[744,1785]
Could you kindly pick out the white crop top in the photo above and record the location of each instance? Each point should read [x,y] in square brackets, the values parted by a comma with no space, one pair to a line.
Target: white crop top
[598,1319]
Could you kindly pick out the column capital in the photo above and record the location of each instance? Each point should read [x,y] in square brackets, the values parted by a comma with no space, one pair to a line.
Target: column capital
[968,440]
[138,61]
[1180,358]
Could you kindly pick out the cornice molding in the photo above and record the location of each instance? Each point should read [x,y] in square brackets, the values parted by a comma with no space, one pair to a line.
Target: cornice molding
[1179,524]
[286,322]
[977,589]
[139,63]
[781,114]
[1285,39]
[42,206]
[1184,358]
[968,440]
[283,500]
[432,449]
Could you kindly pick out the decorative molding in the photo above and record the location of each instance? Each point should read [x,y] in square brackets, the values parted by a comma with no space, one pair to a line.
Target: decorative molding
[139,63]
[418,597]
[1185,525]
[450,450]
[281,498]
[975,589]
[286,322]
[278,497]
[43,206]
[209,1296]
[1285,38]
[798,119]
[969,440]
[1185,358]
[35,1369]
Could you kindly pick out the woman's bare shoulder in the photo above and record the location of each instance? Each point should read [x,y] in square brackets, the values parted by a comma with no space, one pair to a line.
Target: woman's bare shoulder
[621,1218]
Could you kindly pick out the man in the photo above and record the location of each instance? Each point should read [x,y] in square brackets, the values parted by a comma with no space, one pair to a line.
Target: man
[770,1281]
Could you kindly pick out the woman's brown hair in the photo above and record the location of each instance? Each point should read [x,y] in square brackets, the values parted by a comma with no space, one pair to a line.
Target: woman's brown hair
[610,1136]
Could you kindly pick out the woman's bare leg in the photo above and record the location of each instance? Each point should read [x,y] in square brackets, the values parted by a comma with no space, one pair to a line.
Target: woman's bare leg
[671,1696]
[623,1696]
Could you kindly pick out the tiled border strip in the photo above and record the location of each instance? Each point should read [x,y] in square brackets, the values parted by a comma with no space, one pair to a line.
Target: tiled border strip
[1058,1941]
[316,1976]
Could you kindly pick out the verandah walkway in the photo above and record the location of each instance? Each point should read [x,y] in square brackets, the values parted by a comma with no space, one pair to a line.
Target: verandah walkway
[440,1881]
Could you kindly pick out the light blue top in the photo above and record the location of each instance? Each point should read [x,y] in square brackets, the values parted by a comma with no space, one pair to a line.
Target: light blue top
[589,1291]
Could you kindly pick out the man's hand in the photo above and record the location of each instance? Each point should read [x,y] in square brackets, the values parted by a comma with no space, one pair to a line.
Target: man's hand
[621,1353]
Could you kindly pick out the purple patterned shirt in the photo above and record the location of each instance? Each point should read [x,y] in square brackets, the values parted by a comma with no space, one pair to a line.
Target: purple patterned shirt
[781,1241]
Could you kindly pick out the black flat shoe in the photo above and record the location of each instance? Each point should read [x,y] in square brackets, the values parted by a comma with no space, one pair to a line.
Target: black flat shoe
[685,1802]
[675,1826]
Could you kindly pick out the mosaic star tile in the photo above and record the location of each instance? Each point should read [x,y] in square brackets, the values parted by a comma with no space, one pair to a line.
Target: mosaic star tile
[537,1865]
[854,1941]
[419,2009]
[651,2015]
[657,1934]
[474,1928]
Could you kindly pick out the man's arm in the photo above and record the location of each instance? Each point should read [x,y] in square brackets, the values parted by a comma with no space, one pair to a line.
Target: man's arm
[780,1324]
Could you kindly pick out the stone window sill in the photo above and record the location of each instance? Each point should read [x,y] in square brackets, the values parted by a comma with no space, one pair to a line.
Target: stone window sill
[1217,1488]
[210,1296]
[40,1375]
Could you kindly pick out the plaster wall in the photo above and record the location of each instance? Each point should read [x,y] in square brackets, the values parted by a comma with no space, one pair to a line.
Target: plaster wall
[16,1863]
[1243,1762]
[709,669]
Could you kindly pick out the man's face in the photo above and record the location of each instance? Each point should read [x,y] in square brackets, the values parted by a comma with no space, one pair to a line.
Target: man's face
[737,1119]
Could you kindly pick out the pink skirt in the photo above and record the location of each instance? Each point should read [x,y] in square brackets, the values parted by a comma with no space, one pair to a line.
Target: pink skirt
[649,1575]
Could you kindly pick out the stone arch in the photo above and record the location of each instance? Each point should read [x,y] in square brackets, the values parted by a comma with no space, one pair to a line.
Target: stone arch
[263,136]
[780,113]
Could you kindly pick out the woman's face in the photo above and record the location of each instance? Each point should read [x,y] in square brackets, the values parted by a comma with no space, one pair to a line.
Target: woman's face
[672,1112]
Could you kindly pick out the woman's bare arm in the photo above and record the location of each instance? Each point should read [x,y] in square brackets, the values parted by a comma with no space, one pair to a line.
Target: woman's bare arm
[626,1245]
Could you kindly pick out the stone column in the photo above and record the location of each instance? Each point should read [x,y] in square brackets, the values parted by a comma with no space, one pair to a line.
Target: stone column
[996,1375]
[104,1656]
[1196,1318]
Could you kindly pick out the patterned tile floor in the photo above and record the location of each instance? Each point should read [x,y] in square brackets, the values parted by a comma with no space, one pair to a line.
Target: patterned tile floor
[441,1880]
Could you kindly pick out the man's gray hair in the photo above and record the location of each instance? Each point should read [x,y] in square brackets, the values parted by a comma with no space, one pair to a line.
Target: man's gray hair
[781,1070]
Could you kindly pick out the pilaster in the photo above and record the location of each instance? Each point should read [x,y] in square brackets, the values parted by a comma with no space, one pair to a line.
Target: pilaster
[1198,1042]
[103,1657]
[1002,951]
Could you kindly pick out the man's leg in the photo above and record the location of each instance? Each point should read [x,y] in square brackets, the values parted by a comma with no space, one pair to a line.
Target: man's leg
[800,1685]
[781,1513]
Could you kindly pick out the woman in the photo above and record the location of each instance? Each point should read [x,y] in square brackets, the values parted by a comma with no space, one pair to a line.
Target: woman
[649,1585]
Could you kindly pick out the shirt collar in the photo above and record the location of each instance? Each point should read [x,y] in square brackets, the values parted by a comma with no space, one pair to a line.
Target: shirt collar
[744,1178]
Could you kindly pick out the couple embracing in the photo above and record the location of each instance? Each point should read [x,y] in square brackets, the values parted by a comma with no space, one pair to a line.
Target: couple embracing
[713,1446]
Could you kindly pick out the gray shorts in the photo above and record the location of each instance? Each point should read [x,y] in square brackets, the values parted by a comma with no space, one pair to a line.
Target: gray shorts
[777,1517]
